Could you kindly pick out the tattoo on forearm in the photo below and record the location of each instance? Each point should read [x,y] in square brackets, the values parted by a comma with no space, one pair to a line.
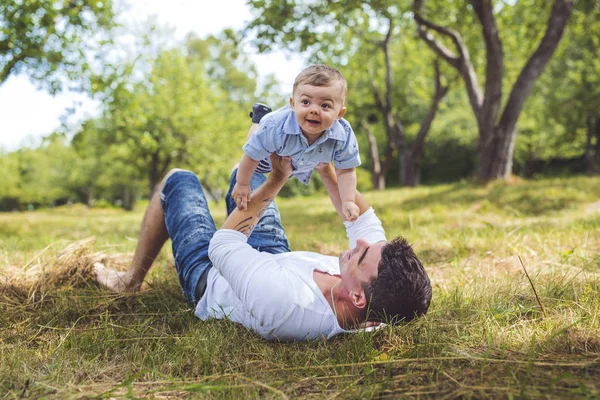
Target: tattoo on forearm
[246,226]
[237,227]
[248,231]
[264,207]
[243,228]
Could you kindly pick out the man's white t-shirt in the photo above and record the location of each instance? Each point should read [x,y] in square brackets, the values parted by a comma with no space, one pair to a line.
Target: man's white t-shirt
[275,295]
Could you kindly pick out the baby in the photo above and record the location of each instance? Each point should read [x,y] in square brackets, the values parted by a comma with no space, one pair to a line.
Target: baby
[310,131]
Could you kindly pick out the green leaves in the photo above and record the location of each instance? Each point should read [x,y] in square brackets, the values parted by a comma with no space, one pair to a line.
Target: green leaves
[180,107]
[48,39]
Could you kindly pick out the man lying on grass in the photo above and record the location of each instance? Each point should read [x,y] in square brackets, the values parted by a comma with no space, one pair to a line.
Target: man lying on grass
[246,272]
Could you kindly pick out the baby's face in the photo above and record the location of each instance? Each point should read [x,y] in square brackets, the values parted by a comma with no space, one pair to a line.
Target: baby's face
[317,107]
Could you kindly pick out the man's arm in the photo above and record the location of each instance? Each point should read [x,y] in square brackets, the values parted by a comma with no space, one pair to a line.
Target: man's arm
[244,221]
[250,273]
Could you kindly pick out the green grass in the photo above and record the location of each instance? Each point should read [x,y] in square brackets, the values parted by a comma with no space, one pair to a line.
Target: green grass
[486,334]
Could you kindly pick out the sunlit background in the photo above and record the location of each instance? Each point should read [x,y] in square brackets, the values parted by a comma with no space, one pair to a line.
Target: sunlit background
[27,113]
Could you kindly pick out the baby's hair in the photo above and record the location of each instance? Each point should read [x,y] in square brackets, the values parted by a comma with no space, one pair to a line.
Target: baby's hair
[321,75]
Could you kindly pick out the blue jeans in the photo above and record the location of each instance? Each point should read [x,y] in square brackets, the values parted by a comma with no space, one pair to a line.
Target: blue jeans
[191,226]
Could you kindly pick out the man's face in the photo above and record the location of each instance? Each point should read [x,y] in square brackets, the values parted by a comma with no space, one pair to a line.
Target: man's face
[360,264]
[317,107]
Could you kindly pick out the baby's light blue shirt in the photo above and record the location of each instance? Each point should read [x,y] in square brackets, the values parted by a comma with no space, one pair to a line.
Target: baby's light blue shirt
[280,133]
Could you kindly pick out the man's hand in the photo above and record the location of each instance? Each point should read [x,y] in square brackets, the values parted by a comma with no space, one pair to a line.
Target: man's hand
[282,166]
[241,195]
[350,210]
[245,220]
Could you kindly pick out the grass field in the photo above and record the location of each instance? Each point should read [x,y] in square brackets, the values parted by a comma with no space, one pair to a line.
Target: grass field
[488,334]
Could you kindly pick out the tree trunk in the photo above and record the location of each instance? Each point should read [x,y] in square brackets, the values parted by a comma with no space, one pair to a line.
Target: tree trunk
[597,149]
[157,170]
[90,197]
[530,164]
[495,155]
[128,198]
[589,153]
[411,157]
[411,172]
[393,126]
[377,176]
[383,103]
[499,166]
[153,175]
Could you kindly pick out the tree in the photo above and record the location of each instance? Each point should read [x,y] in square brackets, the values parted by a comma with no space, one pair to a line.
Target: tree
[42,173]
[572,85]
[227,67]
[368,37]
[397,140]
[181,107]
[50,39]
[157,118]
[10,192]
[497,128]
[103,170]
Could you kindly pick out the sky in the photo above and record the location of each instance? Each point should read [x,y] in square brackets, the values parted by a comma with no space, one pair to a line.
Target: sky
[27,114]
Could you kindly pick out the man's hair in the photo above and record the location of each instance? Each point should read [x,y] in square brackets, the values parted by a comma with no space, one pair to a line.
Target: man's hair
[402,290]
[321,75]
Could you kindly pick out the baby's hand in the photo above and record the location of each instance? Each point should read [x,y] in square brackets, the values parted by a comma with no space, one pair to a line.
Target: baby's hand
[241,195]
[350,210]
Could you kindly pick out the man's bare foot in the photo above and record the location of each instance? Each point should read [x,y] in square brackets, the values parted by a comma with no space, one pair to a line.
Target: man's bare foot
[117,281]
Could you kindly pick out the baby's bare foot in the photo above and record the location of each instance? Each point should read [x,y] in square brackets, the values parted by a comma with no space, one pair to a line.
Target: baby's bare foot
[117,281]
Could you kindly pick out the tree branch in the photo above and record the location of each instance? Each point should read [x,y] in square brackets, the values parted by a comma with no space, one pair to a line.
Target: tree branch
[8,67]
[400,137]
[388,70]
[441,50]
[388,155]
[373,148]
[4,47]
[385,109]
[452,34]
[439,94]
[462,62]
[492,99]
[377,95]
[559,16]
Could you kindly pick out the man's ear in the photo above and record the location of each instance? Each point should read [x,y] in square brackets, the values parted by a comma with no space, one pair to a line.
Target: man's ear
[292,102]
[342,112]
[358,298]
